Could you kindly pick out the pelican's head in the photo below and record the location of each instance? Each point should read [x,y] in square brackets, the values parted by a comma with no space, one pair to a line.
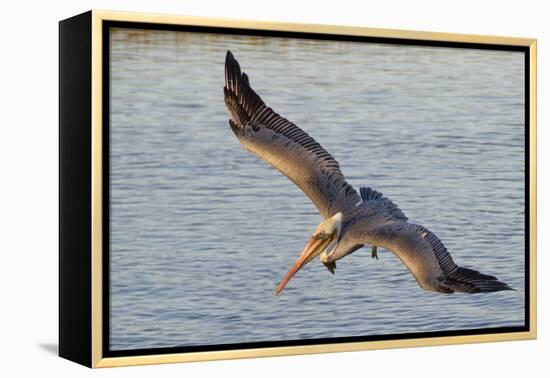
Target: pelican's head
[321,243]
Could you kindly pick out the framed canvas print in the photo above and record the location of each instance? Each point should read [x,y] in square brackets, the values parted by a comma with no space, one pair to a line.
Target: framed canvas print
[234,189]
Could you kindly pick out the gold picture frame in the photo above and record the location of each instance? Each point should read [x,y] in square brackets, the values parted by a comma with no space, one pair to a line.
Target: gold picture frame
[82,291]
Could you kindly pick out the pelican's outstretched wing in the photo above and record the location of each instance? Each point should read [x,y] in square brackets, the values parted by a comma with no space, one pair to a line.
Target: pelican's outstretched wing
[424,255]
[285,146]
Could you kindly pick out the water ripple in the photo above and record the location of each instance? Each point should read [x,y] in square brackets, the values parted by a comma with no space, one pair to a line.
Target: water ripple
[202,231]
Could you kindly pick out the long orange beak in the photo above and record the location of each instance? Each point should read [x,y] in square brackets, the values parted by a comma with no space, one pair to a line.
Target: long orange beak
[312,249]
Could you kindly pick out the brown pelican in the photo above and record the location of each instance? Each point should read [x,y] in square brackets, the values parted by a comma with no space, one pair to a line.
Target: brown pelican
[352,220]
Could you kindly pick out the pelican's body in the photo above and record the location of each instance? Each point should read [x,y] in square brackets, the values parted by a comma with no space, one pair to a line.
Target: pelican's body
[352,219]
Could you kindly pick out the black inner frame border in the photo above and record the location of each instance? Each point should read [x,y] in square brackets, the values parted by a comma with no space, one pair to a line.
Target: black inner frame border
[106,25]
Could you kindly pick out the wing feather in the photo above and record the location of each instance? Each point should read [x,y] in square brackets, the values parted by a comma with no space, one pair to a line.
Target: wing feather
[284,145]
[423,254]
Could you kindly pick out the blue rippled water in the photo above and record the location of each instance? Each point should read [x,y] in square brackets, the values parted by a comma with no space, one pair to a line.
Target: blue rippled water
[202,231]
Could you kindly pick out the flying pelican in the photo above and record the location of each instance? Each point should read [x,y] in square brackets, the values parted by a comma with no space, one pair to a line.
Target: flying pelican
[352,220]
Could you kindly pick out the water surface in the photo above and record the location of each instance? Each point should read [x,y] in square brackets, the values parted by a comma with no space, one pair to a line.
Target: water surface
[202,231]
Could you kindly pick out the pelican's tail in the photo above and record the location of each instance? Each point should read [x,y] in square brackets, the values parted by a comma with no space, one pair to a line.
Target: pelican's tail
[466,280]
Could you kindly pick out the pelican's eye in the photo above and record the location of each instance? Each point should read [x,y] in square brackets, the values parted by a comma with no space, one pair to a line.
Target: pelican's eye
[320,235]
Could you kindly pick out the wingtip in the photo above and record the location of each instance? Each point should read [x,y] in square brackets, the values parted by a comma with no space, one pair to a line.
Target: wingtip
[229,56]
[230,60]
[241,100]
[232,70]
